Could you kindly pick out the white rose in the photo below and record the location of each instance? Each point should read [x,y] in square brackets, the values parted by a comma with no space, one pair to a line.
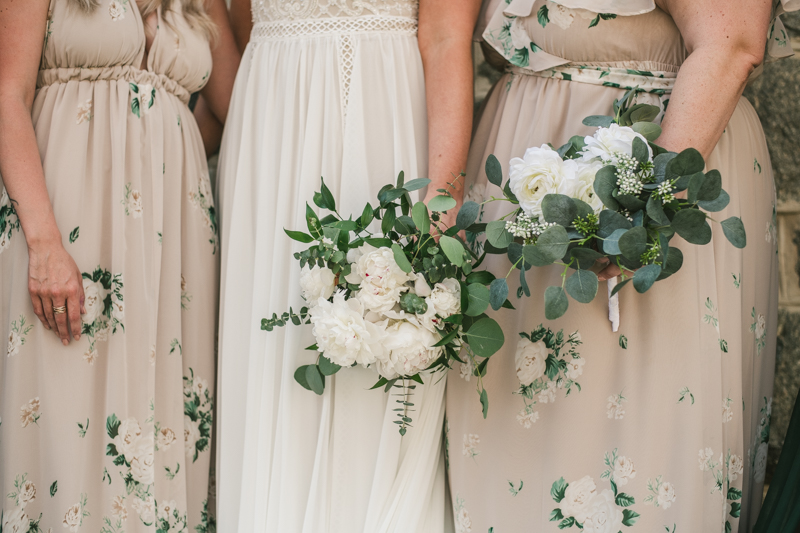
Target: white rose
[191,434]
[27,493]
[165,438]
[94,294]
[575,367]
[17,521]
[317,282]
[666,495]
[577,497]
[623,470]
[760,462]
[143,463]
[145,508]
[14,344]
[127,439]
[73,517]
[540,172]
[761,326]
[342,333]
[166,509]
[446,298]
[604,515]
[584,189]
[606,143]
[530,360]
[381,280]
[410,350]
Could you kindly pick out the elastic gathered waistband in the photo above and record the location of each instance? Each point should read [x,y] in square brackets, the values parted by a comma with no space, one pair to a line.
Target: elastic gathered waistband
[128,73]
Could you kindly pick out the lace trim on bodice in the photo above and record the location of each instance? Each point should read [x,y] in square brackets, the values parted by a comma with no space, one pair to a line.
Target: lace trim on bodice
[291,10]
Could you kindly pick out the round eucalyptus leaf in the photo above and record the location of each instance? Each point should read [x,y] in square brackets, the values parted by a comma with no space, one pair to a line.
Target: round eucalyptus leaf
[494,172]
[640,150]
[630,202]
[421,218]
[300,376]
[644,278]
[558,208]
[441,203]
[553,242]
[610,221]
[453,249]
[555,303]
[611,243]
[673,263]
[478,299]
[734,231]
[633,243]
[655,210]
[327,367]
[515,253]
[485,337]
[315,379]
[686,163]
[498,235]
[467,215]
[585,258]
[718,204]
[582,285]
[605,181]
[581,208]
[691,225]
[498,293]
[660,163]
[648,130]
[535,256]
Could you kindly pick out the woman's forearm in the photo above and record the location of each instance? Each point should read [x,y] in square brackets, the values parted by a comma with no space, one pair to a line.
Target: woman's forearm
[23,177]
[706,93]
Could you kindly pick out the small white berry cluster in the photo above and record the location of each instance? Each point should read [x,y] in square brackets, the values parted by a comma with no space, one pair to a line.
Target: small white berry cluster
[664,191]
[628,180]
[526,227]
[627,214]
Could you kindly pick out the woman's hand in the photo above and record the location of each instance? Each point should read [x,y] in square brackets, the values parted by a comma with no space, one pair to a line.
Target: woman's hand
[54,281]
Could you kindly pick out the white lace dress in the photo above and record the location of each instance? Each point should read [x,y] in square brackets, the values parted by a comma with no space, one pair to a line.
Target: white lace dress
[329,88]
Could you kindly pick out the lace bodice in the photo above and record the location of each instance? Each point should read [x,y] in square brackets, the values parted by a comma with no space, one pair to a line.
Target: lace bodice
[289,10]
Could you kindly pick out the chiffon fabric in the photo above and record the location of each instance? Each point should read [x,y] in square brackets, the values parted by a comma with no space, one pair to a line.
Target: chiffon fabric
[113,432]
[668,430]
[333,89]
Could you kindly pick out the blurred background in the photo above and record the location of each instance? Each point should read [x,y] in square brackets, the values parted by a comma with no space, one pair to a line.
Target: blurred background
[776,97]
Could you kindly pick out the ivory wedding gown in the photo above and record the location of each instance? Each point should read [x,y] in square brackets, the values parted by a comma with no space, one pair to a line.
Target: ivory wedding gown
[330,88]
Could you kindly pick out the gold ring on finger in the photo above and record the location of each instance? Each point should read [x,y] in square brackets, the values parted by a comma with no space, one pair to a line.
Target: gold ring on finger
[59,310]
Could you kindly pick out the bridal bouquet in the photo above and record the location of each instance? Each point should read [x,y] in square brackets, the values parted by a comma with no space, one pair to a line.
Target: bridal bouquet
[397,300]
[612,197]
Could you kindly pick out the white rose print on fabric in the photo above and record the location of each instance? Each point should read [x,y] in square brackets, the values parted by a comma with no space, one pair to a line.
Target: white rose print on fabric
[471,443]
[117,10]
[16,339]
[9,222]
[661,493]
[73,518]
[132,202]
[198,415]
[105,310]
[18,520]
[614,408]
[143,97]
[463,522]
[84,112]
[759,329]
[724,470]
[30,413]
[711,317]
[202,199]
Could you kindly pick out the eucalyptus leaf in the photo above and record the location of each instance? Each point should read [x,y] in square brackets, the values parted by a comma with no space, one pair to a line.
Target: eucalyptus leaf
[660,163]
[558,208]
[686,163]
[478,299]
[494,171]
[484,403]
[441,203]
[327,367]
[498,235]
[467,215]
[555,303]
[644,113]
[605,181]
[611,243]
[315,379]
[582,285]
[691,225]
[600,121]
[582,209]
[485,337]
[421,218]
[416,184]
[644,278]
[498,293]
[404,225]
[515,253]
[633,243]
[618,287]
[734,231]
[535,256]
[453,249]
[672,264]
[300,376]
[523,284]
[630,202]
[553,242]
[648,130]
[655,210]
[610,221]
[585,258]
[400,258]
[718,204]
[640,150]
[484,277]
[711,188]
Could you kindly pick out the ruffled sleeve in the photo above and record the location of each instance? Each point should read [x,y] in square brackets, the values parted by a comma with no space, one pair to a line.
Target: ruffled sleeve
[778,45]
[622,8]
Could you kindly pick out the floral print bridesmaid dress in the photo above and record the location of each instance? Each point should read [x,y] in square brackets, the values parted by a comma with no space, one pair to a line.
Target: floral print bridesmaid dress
[113,432]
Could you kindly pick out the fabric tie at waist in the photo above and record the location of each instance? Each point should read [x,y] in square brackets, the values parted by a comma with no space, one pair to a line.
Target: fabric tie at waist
[658,82]
[128,73]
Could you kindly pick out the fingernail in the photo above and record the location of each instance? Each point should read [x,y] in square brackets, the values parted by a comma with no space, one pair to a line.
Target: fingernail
[65,342]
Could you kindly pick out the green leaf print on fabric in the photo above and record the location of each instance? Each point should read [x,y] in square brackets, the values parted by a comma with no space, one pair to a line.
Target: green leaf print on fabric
[18,520]
[54,488]
[208,523]
[546,361]
[758,456]
[684,393]
[17,337]
[82,429]
[581,504]
[9,222]
[198,406]
[602,16]
[711,318]
[143,97]
[171,473]
[105,310]
[186,298]
[759,329]
[543,16]
[175,345]
[623,342]
[513,489]
[133,449]
[169,518]
[737,280]
[74,234]
[202,199]
[756,166]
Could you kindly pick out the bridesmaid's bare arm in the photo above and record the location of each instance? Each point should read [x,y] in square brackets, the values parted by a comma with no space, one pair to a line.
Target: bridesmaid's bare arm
[726,41]
[212,108]
[54,278]
[242,22]
[445,42]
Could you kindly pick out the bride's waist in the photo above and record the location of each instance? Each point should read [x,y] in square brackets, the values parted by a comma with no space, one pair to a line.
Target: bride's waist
[332,26]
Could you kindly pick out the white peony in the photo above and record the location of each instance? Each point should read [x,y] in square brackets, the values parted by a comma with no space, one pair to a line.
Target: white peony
[760,462]
[14,344]
[381,280]
[410,349]
[145,508]
[606,143]
[342,333]
[317,282]
[27,493]
[666,495]
[143,463]
[584,188]
[540,172]
[73,518]
[165,438]
[623,470]
[530,360]
[604,515]
[575,367]
[421,287]
[127,440]
[17,521]
[191,434]
[446,298]
[94,294]
[29,413]
[527,419]
[761,326]
[577,497]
